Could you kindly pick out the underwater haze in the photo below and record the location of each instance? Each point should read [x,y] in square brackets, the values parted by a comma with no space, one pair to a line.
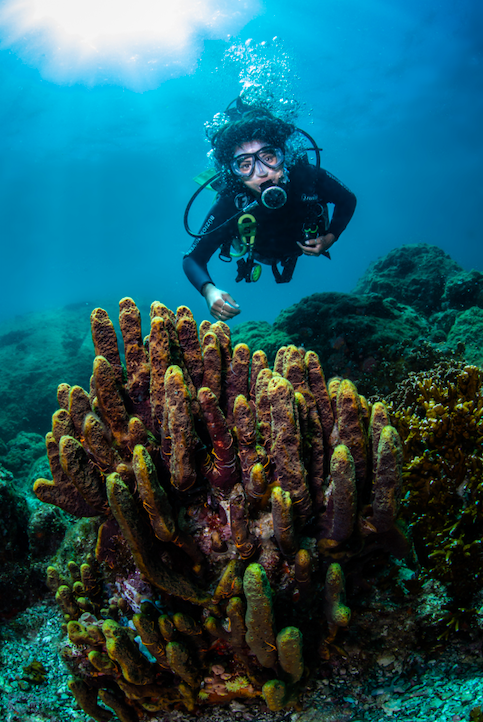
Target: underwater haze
[102,134]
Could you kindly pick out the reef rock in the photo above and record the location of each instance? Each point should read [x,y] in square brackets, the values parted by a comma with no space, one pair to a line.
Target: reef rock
[356,336]
[30,533]
[467,332]
[13,545]
[19,454]
[464,290]
[414,274]
[36,351]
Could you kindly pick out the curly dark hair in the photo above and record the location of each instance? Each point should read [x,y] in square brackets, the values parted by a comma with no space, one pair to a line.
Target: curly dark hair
[256,124]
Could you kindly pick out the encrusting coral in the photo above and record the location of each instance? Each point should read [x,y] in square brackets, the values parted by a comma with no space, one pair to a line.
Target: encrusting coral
[439,416]
[226,496]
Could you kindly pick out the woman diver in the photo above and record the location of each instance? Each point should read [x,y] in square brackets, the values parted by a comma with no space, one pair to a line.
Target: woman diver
[266,211]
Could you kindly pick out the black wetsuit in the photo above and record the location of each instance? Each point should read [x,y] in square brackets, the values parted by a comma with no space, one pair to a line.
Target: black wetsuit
[308,191]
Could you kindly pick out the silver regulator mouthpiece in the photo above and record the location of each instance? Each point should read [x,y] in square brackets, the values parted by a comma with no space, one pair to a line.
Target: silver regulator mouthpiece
[272,196]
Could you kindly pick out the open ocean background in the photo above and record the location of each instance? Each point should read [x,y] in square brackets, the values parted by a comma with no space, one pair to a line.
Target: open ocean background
[99,147]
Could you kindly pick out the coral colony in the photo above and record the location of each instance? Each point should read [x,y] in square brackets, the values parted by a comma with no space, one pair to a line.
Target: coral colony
[228,500]
[439,416]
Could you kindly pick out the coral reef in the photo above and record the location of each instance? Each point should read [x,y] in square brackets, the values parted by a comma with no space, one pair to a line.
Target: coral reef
[410,310]
[21,452]
[368,338]
[30,533]
[415,275]
[439,416]
[37,351]
[467,333]
[230,503]
[464,290]
[13,544]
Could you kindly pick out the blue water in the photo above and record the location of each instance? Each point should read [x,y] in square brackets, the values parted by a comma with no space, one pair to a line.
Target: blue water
[98,159]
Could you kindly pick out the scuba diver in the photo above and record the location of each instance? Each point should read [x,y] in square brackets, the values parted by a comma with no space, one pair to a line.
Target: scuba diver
[267,210]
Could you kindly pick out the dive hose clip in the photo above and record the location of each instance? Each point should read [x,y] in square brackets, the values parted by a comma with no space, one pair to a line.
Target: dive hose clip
[247,268]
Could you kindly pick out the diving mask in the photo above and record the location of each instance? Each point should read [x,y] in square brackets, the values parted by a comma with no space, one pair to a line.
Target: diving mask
[244,165]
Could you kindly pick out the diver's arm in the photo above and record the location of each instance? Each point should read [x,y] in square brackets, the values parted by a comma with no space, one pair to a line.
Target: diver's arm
[196,271]
[195,261]
[333,191]
[195,265]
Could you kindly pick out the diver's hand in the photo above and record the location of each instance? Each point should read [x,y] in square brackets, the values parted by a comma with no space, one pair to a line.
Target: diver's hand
[317,246]
[220,304]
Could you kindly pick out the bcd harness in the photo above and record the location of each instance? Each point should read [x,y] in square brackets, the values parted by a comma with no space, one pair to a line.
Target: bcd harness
[244,245]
